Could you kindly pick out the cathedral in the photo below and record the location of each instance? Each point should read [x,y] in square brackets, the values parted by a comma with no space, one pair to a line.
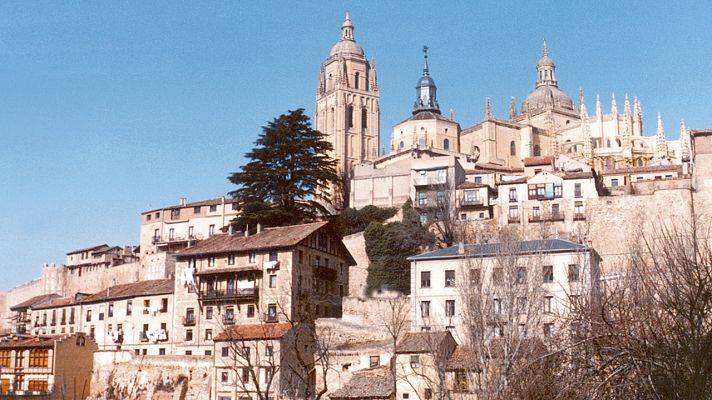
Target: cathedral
[548,122]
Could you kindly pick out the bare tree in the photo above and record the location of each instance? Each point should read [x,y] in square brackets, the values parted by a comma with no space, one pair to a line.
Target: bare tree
[394,313]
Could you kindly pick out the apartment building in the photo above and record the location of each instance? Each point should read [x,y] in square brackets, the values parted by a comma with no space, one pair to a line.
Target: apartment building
[47,367]
[136,316]
[280,274]
[421,360]
[510,278]
[21,321]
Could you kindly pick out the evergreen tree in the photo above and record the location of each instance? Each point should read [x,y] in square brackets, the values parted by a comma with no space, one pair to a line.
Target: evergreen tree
[287,167]
[388,248]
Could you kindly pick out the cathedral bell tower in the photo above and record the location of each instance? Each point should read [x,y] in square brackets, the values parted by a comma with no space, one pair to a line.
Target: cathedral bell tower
[347,109]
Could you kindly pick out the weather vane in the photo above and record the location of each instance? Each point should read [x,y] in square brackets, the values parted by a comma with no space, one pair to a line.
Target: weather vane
[425,51]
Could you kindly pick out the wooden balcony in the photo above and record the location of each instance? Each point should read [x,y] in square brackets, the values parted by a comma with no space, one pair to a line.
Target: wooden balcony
[228,294]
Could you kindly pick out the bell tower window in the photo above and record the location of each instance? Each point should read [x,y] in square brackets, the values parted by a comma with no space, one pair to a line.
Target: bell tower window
[364,119]
[356,79]
[350,117]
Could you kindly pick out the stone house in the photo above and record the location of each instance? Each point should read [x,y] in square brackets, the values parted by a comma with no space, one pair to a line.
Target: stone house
[421,363]
[47,367]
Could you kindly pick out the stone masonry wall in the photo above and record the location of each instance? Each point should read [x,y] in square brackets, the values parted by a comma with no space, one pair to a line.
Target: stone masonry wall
[122,375]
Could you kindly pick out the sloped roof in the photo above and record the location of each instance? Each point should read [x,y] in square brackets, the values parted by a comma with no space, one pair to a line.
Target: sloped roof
[421,342]
[143,288]
[539,160]
[375,383]
[93,248]
[55,302]
[254,332]
[497,167]
[492,249]
[45,341]
[471,185]
[208,202]
[641,170]
[462,358]
[34,301]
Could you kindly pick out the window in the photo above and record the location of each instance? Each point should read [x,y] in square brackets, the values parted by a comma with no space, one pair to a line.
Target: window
[536,213]
[449,308]
[111,311]
[224,377]
[213,208]
[428,394]
[512,195]
[188,335]
[573,273]
[406,395]
[231,259]
[547,273]
[4,358]
[273,255]
[252,257]
[577,190]
[171,234]
[555,213]
[162,352]
[422,199]
[497,306]
[187,352]
[175,213]
[478,179]
[272,313]
[461,380]
[269,371]
[414,361]
[614,182]
[211,230]
[537,150]
[425,279]
[446,144]
[146,306]
[349,117]
[250,311]
[498,276]
[513,215]
[522,329]
[374,361]
[211,261]
[442,175]
[521,305]
[441,198]
[209,313]
[37,386]
[88,315]
[549,330]
[521,275]
[472,196]
[578,210]
[512,148]
[164,305]
[129,307]
[475,276]
[148,217]
[548,301]
[425,309]
[273,281]
[196,210]
[450,278]
[208,334]
[245,375]
[269,351]
[39,358]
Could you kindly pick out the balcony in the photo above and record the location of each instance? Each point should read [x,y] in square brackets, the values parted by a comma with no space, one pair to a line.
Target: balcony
[324,272]
[189,320]
[165,240]
[464,202]
[270,317]
[228,294]
[429,181]
[228,319]
[579,217]
[143,337]
[551,218]
[513,220]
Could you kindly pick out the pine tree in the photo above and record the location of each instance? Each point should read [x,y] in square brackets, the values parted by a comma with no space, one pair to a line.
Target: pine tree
[289,165]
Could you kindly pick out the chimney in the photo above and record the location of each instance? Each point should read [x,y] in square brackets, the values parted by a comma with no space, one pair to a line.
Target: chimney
[461,248]
[247,230]
[182,201]
[230,230]
[259,227]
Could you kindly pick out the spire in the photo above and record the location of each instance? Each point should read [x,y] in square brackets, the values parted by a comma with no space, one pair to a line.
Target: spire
[626,108]
[684,144]
[512,108]
[661,149]
[598,106]
[582,102]
[545,50]
[637,118]
[488,110]
[347,28]
[627,125]
[452,114]
[321,86]
[373,78]
[614,105]
[426,99]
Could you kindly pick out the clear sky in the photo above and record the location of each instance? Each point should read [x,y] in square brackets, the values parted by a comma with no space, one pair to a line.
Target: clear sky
[108,109]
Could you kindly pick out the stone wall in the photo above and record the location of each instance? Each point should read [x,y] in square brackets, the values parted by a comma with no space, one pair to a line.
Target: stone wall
[122,375]
[101,278]
[356,244]
[4,313]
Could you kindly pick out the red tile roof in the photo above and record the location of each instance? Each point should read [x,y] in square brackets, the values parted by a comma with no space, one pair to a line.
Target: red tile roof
[93,248]
[143,288]
[374,383]
[208,202]
[30,342]
[646,169]
[254,332]
[34,301]
[462,358]
[422,342]
[541,160]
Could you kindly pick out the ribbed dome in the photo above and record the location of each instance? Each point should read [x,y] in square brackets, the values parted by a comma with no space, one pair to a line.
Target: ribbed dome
[546,97]
[546,61]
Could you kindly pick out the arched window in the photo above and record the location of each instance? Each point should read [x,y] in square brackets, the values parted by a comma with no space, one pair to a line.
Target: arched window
[640,162]
[446,144]
[608,143]
[512,148]
[329,83]
[350,117]
[356,78]
[537,150]
[618,142]
[400,145]
[364,119]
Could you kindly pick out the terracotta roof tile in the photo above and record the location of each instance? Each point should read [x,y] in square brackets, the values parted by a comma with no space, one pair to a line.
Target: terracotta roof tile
[421,342]
[541,160]
[93,248]
[462,358]
[143,288]
[640,170]
[375,383]
[34,301]
[254,332]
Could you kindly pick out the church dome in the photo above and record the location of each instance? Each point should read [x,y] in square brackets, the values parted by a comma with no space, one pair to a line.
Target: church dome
[347,44]
[547,96]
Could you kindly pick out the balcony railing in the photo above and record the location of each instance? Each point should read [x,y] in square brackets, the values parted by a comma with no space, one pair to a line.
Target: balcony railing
[189,320]
[324,272]
[143,337]
[513,220]
[228,319]
[270,317]
[471,202]
[552,217]
[429,181]
[228,294]
[579,217]
[175,239]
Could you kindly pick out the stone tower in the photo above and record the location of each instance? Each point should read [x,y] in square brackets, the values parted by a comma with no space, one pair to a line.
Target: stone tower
[347,109]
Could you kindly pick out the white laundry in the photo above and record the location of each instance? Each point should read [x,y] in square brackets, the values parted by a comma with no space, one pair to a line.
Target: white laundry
[270,264]
[188,277]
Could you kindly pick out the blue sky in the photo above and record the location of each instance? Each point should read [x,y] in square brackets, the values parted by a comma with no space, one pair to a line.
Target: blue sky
[111,108]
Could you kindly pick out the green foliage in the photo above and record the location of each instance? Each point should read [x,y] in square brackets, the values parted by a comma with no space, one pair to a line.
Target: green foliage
[388,248]
[288,166]
[351,220]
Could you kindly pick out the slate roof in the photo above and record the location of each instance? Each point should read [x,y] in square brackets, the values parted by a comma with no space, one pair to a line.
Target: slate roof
[421,342]
[426,115]
[143,288]
[34,301]
[375,383]
[492,249]
[254,332]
